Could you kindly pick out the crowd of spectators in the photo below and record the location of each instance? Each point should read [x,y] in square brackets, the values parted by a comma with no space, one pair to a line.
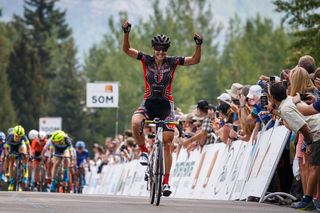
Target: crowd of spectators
[242,111]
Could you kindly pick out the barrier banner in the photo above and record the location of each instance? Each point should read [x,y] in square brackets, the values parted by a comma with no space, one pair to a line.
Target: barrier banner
[217,171]
[177,171]
[188,171]
[208,165]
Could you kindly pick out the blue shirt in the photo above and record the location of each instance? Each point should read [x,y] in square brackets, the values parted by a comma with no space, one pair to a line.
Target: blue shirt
[257,108]
[316,105]
[82,157]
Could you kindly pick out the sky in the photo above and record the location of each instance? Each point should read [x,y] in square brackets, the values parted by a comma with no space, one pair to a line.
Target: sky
[89,18]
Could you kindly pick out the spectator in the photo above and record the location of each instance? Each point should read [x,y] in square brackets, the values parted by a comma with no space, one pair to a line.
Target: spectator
[310,128]
[234,92]
[256,116]
[301,82]
[227,122]
[204,136]
[224,97]
[308,63]
[246,128]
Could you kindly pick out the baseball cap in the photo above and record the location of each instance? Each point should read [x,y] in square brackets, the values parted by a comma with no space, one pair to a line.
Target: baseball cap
[254,90]
[225,97]
[202,104]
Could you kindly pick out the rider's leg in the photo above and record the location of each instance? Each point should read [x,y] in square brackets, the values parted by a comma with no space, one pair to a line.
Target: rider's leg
[66,165]
[167,142]
[35,164]
[48,164]
[136,127]
[25,159]
[11,163]
[56,161]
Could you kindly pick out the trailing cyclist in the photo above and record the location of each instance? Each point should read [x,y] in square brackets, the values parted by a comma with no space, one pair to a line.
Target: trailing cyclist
[16,144]
[82,159]
[158,74]
[37,146]
[61,148]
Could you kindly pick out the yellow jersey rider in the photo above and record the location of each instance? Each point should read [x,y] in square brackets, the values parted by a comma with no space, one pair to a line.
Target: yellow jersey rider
[61,147]
[16,144]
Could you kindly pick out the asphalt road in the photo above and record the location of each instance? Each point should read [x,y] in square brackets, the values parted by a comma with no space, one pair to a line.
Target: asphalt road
[50,202]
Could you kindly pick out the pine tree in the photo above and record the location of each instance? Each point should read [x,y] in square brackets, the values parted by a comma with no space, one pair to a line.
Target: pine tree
[7,112]
[26,79]
[68,93]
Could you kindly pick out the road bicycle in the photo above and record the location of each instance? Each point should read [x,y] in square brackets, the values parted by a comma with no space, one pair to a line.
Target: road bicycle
[156,165]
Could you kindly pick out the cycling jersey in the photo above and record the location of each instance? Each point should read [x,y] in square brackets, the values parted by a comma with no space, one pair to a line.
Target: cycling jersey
[82,156]
[158,81]
[61,146]
[37,147]
[14,146]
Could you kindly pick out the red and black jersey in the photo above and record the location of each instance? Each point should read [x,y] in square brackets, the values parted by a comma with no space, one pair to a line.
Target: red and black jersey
[158,81]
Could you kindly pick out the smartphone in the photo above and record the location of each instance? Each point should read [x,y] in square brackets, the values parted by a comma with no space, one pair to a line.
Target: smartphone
[235,128]
[217,115]
[264,100]
[272,79]
[303,97]
[285,84]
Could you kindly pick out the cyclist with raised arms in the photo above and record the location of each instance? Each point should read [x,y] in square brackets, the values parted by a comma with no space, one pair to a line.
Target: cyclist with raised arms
[16,143]
[158,73]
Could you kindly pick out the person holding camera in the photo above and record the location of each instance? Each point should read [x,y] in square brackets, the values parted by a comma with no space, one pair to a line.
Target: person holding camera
[259,114]
[309,127]
[158,74]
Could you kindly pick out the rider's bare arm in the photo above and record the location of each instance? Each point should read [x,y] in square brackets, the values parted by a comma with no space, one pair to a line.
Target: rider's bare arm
[196,57]
[126,44]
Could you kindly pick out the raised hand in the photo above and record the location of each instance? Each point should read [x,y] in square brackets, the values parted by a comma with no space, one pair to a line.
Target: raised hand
[126,27]
[198,39]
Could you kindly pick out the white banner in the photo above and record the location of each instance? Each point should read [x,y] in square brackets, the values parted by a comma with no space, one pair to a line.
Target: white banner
[103,95]
[217,172]
[50,124]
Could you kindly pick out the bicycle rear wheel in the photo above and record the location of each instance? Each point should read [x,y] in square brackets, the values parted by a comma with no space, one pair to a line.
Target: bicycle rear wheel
[158,176]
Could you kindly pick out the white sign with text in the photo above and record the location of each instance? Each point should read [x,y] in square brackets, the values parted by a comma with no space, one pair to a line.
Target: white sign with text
[50,124]
[103,95]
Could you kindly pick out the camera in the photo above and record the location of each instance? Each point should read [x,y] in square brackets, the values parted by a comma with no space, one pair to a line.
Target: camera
[264,100]
[304,96]
[236,102]
[272,79]
[235,128]
[285,84]
[151,136]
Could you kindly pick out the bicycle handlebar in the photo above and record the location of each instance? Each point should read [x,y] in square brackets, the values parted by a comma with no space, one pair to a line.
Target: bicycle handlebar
[157,121]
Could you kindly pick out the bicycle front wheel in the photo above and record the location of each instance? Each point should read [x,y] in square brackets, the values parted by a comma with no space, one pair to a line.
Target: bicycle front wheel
[159,174]
[151,180]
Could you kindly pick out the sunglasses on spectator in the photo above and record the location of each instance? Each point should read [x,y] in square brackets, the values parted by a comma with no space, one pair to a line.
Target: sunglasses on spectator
[159,48]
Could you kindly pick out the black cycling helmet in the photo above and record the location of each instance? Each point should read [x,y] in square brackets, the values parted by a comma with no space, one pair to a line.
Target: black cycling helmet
[160,39]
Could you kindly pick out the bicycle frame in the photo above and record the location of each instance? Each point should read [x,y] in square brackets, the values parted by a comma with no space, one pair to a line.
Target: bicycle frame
[156,164]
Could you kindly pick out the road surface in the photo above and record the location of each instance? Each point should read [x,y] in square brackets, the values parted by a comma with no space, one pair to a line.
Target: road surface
[51,202]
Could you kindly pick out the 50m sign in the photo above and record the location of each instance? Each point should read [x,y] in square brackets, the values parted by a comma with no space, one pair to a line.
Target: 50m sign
[103,95]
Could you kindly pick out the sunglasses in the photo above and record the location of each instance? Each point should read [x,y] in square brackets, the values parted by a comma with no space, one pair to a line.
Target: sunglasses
[159,48]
